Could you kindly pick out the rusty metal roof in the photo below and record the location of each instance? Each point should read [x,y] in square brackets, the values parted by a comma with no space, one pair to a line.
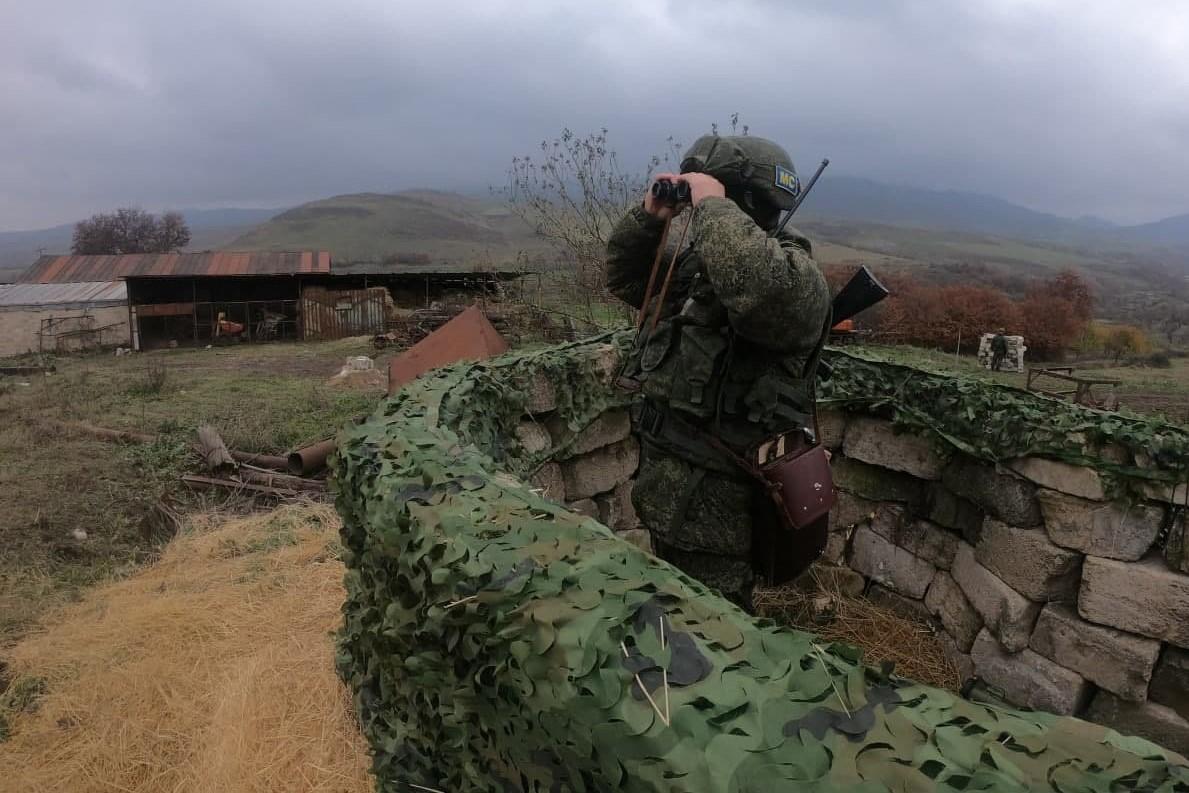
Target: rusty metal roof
[85,295]
[71,269]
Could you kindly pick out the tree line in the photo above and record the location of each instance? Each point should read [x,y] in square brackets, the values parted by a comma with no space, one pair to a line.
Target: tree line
[1054,315]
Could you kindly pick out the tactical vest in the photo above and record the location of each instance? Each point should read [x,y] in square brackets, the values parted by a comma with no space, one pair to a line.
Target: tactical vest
[696,367]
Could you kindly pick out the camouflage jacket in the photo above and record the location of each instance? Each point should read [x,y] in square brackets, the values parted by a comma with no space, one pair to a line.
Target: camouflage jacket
[740,324]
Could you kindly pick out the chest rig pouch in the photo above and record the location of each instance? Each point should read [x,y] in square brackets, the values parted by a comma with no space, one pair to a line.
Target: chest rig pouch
[793,468]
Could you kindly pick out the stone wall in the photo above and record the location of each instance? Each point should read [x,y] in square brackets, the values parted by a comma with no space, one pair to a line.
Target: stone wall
[495,639]
[19,326]
[1041,587]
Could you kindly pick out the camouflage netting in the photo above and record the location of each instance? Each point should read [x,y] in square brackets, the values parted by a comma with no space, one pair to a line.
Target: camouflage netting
[496,641]
[996,422]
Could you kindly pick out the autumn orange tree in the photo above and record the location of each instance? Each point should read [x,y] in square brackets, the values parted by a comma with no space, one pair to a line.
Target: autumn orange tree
[950,317]
[1056,313]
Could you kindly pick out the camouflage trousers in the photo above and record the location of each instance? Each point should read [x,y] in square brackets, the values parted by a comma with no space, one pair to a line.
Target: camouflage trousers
[701,521]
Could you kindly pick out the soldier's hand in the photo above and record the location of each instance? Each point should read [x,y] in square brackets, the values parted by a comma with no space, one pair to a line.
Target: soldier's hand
[703,186]
[658,209]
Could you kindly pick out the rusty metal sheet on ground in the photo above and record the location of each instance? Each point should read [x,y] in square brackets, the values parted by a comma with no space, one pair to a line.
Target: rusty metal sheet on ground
[468,336]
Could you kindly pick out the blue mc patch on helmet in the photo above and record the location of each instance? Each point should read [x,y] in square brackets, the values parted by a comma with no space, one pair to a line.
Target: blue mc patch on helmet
[787,180]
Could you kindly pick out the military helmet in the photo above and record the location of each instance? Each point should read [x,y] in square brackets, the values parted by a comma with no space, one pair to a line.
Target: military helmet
[746,165]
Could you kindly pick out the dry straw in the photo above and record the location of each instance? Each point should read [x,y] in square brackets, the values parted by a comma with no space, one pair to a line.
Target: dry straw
[816,604]
[210,671]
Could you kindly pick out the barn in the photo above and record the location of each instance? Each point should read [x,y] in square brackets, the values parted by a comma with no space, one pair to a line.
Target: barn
[195,299]
[62,317]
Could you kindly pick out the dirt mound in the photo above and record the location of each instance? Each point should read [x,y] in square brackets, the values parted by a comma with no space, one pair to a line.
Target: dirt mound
[213,670]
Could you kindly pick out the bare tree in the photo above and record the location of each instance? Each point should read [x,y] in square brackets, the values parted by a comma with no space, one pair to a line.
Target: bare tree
[130,230]
[574,191]
[172,232]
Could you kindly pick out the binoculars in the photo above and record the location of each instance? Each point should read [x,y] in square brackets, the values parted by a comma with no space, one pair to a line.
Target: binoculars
[670,193]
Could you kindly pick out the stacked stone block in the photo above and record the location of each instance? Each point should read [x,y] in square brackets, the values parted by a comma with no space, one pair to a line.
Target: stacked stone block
[1014,362]
[591,469]
[1039,584]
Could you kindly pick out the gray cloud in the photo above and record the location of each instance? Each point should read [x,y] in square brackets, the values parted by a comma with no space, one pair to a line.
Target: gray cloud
[1071,107]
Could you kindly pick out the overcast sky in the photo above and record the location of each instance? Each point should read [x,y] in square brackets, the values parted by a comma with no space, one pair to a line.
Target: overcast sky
[1069,106]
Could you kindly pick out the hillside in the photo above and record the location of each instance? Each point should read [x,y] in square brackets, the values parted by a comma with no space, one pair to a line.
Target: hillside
[375,227]
[1131,282]
[853,198]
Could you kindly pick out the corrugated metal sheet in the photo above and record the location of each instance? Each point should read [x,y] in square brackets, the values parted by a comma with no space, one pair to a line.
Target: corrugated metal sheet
[98,293]
[337,313]
[62,269]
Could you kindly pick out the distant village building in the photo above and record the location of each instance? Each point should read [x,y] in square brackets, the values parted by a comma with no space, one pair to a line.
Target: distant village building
[195,299]
[62,317]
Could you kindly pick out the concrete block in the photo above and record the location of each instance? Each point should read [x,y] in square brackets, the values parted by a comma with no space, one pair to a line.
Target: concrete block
[549,481]
[1100,529]
[541,394]
[946,601]
[1007,614]
[1028,561]
[837,546]
[1139,597]
[876,484]
[615,508]
[600,470]
[1170,681]
[641,538]
[1176,547]
[887,564]
[1028,678]
[609,427]
[606,361]
[1119,662]
[889,519]
[1160,725]
[585,506]
[831,425]
[1075,480]
[945,508]
[876,442]
[1010,498]
[1167,492]
[920,538]
[961,660]
[850,510]
[533,438]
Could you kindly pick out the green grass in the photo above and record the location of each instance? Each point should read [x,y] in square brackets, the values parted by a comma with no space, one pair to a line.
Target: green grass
[1146,390]
[266,398]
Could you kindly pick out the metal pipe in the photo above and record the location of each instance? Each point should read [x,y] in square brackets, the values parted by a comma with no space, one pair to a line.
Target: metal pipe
[311,458]
[270,461]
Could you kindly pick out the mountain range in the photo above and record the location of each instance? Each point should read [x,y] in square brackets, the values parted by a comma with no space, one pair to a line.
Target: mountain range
[448,226]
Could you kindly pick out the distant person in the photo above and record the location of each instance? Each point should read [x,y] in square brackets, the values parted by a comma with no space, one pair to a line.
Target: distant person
[998,350]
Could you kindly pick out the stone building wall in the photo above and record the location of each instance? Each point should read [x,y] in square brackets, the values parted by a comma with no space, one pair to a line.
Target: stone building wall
[1042,588]
[19,326]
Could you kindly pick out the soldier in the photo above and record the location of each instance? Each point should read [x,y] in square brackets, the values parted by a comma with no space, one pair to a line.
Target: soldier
[732,359]
[998,350]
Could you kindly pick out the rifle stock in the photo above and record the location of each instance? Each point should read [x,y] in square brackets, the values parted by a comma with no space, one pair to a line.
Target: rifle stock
[861,292]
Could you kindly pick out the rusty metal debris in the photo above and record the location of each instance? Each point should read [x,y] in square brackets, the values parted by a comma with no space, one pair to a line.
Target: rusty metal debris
[469,335]
[311,458]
